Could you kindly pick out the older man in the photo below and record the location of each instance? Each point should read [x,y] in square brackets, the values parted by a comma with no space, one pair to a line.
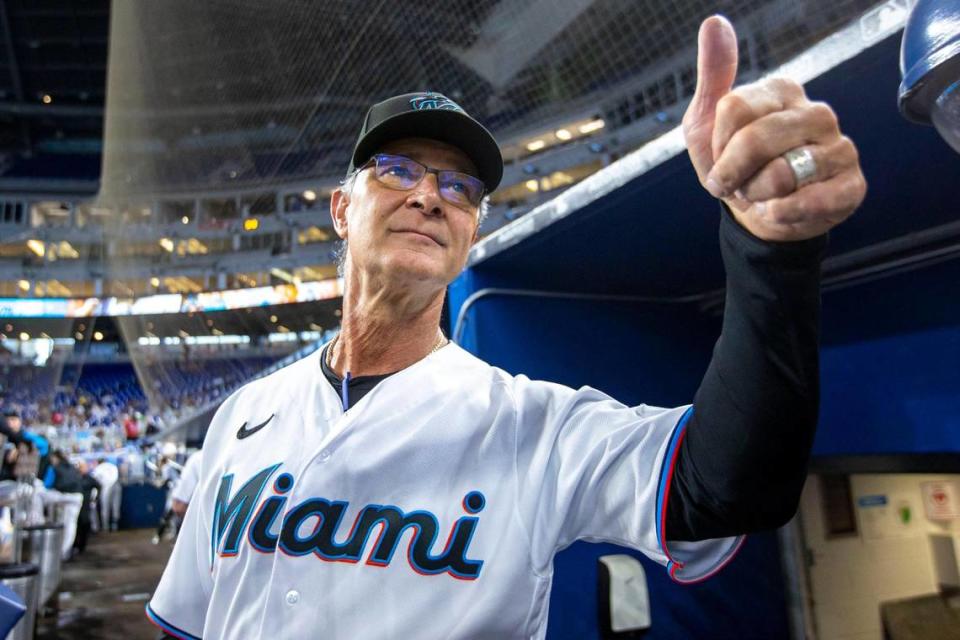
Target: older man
[392,438]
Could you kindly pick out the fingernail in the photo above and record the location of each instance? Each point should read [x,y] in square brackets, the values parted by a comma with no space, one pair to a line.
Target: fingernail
[714,188]
[739,194]
[760,209]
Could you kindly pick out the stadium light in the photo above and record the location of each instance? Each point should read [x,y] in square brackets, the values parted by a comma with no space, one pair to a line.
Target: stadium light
[37,247]
[195,246]
[57,288]
[593,125]
[309,273]
[309,195]
[66,250]
[46,98]
[556,180]
[312,234]
[536,145]
[563,134]
[286,276]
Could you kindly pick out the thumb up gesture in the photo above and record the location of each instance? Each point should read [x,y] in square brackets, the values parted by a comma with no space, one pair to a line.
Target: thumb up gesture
[778,160]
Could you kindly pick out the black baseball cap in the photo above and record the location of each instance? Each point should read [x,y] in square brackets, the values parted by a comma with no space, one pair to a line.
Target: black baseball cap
[434,116]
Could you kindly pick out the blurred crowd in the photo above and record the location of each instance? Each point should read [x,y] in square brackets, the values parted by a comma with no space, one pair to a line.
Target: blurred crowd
[37,476]
[74,440]
[104,406]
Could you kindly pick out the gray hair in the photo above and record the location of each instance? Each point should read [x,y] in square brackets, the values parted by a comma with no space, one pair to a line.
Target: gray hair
[340,253]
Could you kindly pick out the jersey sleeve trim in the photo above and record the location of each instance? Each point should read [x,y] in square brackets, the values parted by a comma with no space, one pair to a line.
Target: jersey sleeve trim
[688,562]
[168,628]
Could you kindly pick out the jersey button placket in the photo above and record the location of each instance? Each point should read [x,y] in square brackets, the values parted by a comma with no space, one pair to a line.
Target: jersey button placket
[324,455]
[292,597]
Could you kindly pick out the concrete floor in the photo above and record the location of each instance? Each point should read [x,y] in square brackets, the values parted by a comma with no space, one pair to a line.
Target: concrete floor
[103,592]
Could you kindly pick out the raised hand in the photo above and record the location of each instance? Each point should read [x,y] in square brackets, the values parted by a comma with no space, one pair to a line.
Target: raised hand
[737,140]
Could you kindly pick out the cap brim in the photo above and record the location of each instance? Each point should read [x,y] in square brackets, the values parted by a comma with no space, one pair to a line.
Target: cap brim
[451,127]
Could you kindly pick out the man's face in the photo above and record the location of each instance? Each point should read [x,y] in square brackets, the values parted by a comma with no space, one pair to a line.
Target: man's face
[412,236]
[14,422]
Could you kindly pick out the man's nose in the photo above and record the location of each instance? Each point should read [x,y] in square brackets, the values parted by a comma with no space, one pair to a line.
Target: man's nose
[426,196]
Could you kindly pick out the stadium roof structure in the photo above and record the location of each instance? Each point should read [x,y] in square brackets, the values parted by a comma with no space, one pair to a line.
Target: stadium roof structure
[53,68]
[224,92]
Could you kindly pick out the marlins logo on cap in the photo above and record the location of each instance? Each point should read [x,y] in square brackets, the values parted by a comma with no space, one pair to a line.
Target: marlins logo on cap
[434,101]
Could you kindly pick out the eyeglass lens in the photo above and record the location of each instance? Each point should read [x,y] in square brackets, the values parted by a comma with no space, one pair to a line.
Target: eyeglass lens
[402,173]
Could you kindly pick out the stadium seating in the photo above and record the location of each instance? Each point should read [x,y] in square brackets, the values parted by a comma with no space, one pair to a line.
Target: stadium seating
[105,394]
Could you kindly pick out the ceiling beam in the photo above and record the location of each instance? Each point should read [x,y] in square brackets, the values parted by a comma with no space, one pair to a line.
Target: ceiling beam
[32,109]
[514,33]
[15,78]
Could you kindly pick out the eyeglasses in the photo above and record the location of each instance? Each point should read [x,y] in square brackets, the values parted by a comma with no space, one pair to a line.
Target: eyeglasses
[402,173]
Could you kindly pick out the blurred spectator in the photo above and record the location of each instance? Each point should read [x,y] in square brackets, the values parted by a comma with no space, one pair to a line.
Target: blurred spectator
[66,484]
[17,443]
[134,465]
[107,475]
[130,427]
[88,485]
[168,477]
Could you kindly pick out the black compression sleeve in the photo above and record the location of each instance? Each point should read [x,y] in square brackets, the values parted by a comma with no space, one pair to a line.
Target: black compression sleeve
[743,460]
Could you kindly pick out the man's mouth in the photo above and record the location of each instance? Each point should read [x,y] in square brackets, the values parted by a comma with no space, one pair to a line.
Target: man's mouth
[421,234]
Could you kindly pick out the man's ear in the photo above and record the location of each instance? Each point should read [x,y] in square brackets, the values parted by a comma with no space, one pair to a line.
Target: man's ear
[339,201]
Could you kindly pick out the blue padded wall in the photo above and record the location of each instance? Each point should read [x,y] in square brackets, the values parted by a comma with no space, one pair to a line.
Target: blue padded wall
[891,365]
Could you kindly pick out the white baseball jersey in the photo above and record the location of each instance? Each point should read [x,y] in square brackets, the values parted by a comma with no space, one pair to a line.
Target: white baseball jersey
[189,478]
[430,509]
[106,473]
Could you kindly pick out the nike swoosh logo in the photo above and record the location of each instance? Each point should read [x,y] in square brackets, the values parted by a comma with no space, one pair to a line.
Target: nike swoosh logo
[243,432]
